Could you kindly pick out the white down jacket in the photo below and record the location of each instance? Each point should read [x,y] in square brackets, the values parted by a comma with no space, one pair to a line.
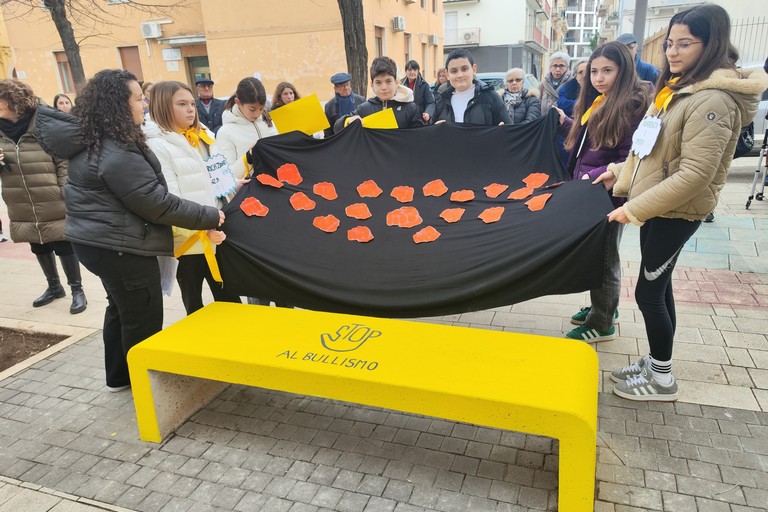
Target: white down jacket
[184,170]
[237,135]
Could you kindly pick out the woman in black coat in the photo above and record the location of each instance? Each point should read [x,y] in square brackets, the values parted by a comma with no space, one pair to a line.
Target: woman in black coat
[119,210]
[422,94]
[522,104]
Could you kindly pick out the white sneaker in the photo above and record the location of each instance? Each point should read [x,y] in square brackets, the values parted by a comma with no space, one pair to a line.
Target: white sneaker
[2,238]
[117,389]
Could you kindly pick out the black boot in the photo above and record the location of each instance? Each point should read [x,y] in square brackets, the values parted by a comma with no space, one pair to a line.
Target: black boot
[72,271]
[55,290]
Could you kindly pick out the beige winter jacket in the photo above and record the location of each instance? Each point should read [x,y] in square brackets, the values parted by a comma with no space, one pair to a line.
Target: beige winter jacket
[683,175]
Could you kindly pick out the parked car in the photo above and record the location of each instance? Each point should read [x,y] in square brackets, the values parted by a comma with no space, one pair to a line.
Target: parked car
[496,79]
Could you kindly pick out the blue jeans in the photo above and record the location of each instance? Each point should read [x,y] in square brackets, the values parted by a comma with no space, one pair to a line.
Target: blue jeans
[605,300]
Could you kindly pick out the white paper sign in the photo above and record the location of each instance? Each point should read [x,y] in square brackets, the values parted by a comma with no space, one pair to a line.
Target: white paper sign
[222,179]
[645,136]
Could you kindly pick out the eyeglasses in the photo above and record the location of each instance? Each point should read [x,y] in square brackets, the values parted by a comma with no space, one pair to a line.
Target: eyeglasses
[558,66]
[514,80]
[679,47]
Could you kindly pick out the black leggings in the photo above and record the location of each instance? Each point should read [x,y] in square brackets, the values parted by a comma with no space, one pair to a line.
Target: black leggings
[661,241]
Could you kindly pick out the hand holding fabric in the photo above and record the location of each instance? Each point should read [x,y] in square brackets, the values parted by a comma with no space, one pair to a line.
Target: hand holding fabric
[216,237]
[618,215]
[607,178]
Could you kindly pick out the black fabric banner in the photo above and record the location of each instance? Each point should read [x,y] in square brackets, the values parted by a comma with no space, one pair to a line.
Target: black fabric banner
[472,265]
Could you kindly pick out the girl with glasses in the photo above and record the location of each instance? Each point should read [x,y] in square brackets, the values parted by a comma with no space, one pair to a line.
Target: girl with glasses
[674,179]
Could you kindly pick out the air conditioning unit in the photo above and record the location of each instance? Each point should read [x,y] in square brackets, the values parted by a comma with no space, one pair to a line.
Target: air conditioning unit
[151,30]
[433,39]
[398,23]
[469,36]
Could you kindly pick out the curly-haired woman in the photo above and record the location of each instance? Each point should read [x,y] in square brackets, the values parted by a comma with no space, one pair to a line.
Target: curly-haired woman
[119,210]
[32,182]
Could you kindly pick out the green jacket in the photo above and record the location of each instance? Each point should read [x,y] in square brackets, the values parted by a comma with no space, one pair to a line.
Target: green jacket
[683,175]
[31,186]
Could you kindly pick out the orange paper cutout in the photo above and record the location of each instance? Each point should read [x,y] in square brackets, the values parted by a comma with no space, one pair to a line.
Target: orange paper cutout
[325,190]
[428,234]
[360,234]
[494,190]
[490,215]
[536,179]
[521,193]
[452,215]
[358,211]
[268,179]
[252,206]
[300,201]
[537,203]
[435,188]
[405,217]
[462,196]
[403,194]
[327,223]
[289,173]
[369,189]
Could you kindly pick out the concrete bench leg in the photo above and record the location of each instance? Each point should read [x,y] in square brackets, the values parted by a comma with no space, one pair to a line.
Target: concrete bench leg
[577,471]
[165,400]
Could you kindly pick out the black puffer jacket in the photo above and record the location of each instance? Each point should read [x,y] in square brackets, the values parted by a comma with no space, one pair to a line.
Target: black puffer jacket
[486,108]
[406,112]
[526,109]
[422,96]
[118,199]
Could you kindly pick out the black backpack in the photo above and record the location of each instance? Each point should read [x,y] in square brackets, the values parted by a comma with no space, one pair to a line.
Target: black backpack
[746,140]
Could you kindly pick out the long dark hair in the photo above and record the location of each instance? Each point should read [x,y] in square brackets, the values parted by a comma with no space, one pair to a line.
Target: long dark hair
[250,90]
[629,98]
[711,24]
[104,111]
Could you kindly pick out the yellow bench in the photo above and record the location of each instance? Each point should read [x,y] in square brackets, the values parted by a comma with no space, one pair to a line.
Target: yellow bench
[534,384]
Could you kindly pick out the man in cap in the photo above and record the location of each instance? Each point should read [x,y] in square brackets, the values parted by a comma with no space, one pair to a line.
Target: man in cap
[343,102]
[644,70]
[209,109]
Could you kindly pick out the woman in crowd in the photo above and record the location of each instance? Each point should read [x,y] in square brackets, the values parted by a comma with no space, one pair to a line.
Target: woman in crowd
[422,94]
[569,92]
[701,104]
[32,184]
[119,209]
[610,106]
[522,104]
[179,141]
[284,94]
[62,102]
[442,79]
[146,89]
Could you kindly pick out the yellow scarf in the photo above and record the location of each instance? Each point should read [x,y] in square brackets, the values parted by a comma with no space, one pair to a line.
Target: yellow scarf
[596,103]
[664,96]
[195,135]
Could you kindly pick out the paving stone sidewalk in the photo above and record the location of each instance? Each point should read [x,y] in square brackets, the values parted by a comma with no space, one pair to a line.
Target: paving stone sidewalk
[67,445]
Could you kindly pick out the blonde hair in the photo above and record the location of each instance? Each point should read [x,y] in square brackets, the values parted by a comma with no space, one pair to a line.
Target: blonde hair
[161,106]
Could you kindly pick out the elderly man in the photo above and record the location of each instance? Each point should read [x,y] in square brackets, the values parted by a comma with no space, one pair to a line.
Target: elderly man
[557,76]
[343,102]
[209,109]
[644,70]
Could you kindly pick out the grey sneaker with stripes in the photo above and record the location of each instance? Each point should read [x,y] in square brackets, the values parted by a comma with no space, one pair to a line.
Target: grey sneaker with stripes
[629,371]
[642,387]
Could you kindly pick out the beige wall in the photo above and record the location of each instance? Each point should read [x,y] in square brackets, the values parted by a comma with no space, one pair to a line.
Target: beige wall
[299,41]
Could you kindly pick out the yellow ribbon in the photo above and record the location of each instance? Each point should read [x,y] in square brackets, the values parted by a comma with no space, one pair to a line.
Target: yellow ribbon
[195,135]
[210,256]
[664,97]
[596,103]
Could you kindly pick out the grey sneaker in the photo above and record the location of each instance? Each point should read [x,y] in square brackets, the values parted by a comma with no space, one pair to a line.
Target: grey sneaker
[635,368]
[643,388]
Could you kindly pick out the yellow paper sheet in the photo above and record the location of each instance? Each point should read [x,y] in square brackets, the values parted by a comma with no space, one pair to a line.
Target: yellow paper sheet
[305,115]
[384,120]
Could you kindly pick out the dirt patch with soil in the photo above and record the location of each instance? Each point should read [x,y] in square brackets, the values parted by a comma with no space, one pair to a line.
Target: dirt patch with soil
[17,345]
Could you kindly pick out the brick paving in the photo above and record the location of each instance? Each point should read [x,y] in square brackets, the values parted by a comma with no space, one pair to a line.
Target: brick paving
[66,445]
